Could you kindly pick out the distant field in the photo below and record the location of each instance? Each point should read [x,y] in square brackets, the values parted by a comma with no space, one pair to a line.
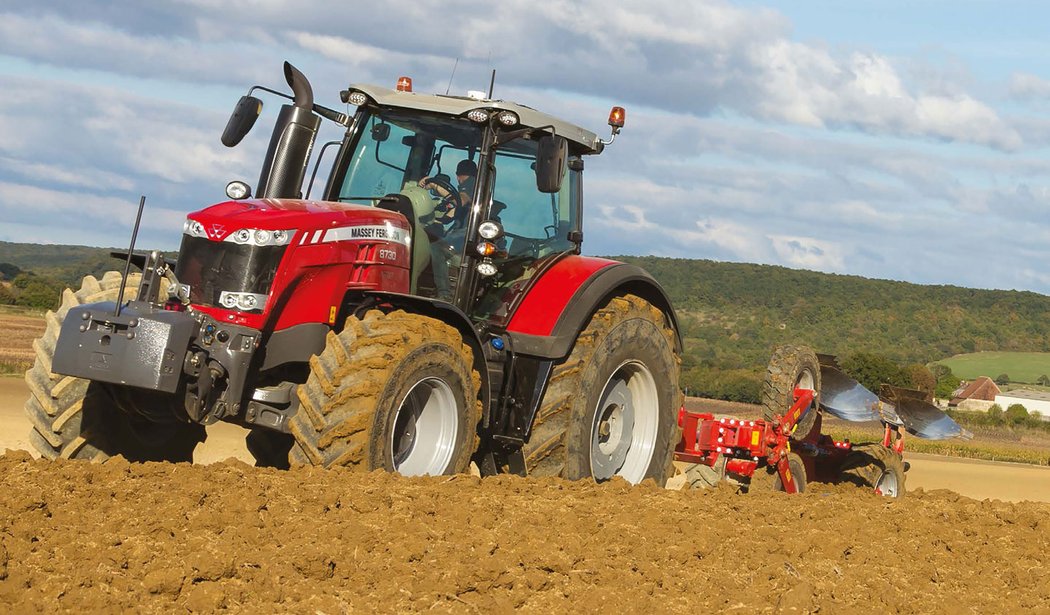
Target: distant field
[18,329]
[1020,366]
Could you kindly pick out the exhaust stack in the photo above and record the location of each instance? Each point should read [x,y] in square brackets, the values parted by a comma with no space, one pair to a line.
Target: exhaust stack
[291,143]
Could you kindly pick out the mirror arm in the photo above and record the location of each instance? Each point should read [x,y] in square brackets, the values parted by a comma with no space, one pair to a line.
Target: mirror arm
[329,114]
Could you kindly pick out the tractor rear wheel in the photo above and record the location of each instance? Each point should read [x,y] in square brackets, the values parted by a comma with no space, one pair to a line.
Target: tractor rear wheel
[611,407]
[790,368]
[74,418]
[393,391]
[876,467]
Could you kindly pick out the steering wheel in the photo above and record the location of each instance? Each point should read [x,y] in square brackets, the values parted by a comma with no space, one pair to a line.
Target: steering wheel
[453,192]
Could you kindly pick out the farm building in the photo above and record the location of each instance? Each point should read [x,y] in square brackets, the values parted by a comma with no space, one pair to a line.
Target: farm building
[981,388]
[1033,401]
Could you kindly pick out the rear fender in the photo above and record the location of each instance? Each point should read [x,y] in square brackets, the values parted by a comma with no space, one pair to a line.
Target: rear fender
[560,304]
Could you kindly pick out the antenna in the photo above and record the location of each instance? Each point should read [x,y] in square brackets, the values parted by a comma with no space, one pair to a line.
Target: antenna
[131,251]
[492,83]
[451,77]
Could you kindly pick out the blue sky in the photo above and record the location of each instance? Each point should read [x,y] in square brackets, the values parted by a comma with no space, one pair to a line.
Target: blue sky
[891,139]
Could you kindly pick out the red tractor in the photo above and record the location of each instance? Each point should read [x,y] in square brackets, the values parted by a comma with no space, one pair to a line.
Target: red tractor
[431,309]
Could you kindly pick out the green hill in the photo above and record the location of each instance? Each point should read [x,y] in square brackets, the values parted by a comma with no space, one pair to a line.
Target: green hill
[732,315]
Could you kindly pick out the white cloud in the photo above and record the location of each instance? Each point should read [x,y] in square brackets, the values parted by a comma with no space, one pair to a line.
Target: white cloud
[808,253]
[743,143]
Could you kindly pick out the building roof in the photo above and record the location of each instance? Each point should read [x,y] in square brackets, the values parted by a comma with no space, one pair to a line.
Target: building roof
[982,387]
[1027,394]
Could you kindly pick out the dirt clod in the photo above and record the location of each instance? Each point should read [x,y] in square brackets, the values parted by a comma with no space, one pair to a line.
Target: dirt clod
[161,538]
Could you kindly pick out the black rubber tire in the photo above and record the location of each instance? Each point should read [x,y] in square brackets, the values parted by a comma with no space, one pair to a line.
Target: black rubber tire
[74,418]
[866,465]
[351,398]
[767,478]
[627,328]
[789,366]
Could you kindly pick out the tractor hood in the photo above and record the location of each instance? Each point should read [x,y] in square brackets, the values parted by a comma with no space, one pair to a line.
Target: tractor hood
[220,220]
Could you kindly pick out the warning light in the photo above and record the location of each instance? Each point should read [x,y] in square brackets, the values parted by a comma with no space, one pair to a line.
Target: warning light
[404,84]
[617,117]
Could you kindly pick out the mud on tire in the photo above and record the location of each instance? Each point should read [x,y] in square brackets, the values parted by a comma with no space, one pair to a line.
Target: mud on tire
[626,352]
[789,368]
[74,418]
[874,467]
[390,391]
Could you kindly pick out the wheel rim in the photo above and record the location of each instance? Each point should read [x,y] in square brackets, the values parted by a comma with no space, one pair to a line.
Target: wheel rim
[423,439]
[626,423]
[887,484]
[807,381]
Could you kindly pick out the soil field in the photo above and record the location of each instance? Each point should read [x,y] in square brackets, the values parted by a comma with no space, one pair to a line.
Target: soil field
[16,348]
[161,538]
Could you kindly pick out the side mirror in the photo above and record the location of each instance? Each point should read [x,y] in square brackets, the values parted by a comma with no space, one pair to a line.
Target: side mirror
[241,120]
[380,132]
[550,163]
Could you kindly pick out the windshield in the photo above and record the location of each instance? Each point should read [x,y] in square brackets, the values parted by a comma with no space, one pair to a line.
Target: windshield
[394,150]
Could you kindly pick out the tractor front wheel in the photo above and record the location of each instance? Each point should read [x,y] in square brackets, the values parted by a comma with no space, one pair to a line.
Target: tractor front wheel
[875,467]
[390,391]
[611,406]
[74,418]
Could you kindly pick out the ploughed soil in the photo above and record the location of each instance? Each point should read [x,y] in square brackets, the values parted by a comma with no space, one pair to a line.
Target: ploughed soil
[170,538]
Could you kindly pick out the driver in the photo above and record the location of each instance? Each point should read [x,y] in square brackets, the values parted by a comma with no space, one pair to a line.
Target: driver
[466,176]
[443,245]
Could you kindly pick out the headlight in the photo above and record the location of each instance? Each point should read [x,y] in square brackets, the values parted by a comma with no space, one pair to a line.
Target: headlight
[245,302]
[490,229]
[238,190]
[487,268]
[357,98]
[262,237]
[479,116]
[507,118]
[486,249]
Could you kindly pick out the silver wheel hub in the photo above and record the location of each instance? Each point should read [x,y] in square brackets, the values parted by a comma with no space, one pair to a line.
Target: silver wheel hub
[626,425]
[887,484]
[423,438]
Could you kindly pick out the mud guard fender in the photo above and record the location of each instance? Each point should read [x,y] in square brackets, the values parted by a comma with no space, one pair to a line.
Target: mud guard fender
[559,305]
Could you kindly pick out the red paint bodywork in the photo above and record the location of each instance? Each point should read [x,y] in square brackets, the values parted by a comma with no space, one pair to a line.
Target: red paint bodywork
[706,439]
[313,274]
[539,311]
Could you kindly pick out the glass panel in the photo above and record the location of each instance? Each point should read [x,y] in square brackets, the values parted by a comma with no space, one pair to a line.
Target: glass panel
[536,226]
[392,152]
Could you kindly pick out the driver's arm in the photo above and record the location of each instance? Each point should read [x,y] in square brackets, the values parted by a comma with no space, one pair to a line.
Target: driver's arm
[426,184]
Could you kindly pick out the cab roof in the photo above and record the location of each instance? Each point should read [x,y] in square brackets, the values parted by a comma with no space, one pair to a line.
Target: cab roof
[460,105]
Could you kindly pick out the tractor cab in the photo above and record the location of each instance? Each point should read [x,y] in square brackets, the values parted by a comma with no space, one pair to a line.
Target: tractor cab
[491,189]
